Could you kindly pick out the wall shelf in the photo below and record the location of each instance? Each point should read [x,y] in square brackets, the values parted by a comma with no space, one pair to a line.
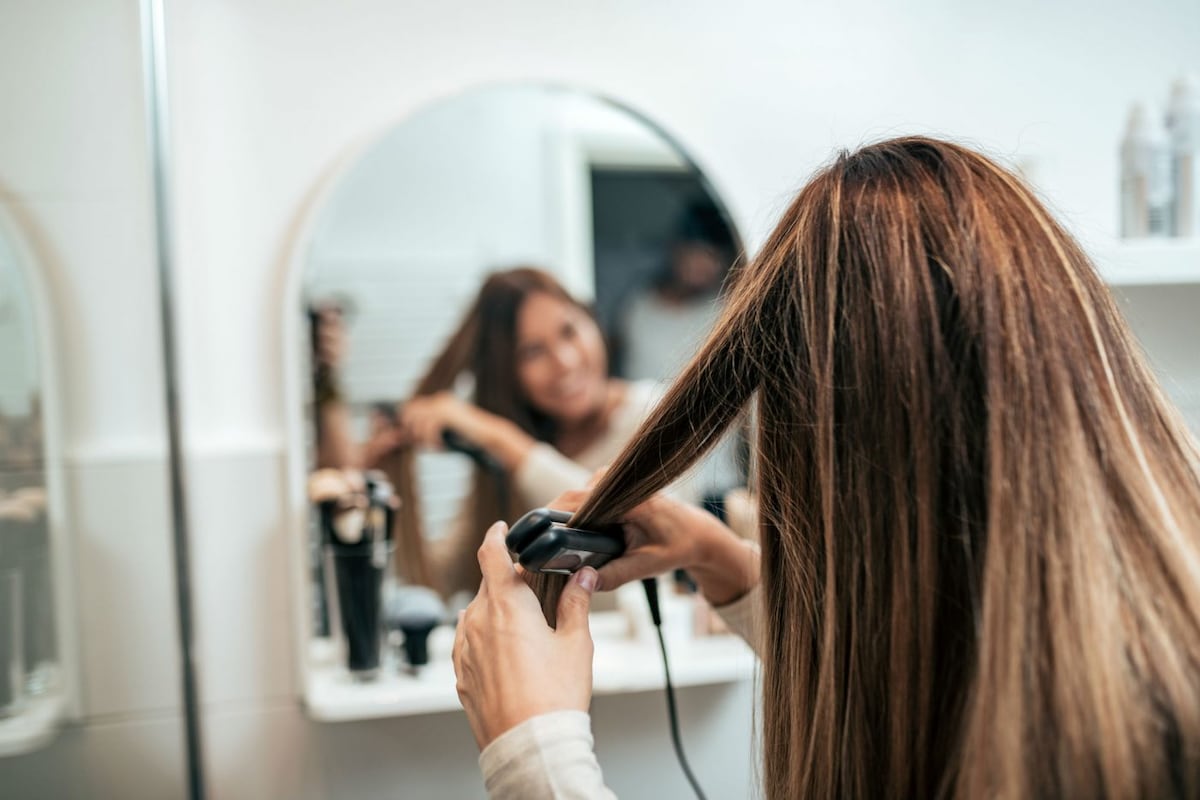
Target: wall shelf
[1150,262]
[621,665]
[33,727]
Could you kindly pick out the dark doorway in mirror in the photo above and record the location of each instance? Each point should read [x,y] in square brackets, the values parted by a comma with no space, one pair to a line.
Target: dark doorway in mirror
[662,249]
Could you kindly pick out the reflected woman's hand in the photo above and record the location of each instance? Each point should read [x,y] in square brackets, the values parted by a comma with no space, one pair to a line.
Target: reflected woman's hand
[512,666]
[384,441]
[663,534]
[424,418]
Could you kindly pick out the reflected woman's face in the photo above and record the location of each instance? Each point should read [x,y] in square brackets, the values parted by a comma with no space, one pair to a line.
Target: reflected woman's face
[561,361]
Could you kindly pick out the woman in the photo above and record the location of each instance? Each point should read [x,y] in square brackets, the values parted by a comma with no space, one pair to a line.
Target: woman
[543,408]
[980,518]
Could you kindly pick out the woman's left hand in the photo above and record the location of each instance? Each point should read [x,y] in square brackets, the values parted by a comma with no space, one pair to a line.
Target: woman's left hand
[512,666]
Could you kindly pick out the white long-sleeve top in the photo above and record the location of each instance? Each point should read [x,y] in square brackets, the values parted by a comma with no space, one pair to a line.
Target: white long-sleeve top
[550,756]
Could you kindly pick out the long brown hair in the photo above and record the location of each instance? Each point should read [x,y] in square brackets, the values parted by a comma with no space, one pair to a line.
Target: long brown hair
[484,346]
[980,518]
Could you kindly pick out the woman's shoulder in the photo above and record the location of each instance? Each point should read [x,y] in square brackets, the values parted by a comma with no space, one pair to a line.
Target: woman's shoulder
[638,401]
[642,395]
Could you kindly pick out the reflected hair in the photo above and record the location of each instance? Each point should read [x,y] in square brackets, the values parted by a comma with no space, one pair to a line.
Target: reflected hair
[980,517]
[483,346]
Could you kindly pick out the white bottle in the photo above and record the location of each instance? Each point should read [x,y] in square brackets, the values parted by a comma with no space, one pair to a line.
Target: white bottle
[1145,176]
[1183,125]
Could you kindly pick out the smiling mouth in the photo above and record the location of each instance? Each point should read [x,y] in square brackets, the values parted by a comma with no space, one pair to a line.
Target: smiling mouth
[571,391]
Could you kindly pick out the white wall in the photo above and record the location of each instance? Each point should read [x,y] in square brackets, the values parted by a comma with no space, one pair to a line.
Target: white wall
[74,183]
[270,96]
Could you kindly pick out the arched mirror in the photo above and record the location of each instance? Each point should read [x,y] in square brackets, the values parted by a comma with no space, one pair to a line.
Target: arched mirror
[33,681]
[525,251]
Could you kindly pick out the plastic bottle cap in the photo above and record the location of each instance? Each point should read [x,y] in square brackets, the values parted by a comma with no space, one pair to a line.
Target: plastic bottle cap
[1144,125]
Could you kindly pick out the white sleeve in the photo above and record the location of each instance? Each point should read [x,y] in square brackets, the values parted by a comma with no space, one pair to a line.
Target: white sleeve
[548,757]
[545,473]
[743,616]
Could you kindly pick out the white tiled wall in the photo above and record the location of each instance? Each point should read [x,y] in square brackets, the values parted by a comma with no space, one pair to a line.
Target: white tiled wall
[243,609]
[130,759]
[1166,321]
[274,751]
[128,631]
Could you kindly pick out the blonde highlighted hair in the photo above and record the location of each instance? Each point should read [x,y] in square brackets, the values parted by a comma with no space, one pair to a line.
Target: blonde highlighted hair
[980,518]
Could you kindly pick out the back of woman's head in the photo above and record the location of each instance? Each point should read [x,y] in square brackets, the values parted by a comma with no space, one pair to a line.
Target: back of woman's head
[980,518]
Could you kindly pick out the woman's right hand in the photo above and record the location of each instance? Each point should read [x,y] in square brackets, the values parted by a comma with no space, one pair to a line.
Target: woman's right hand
[424,418]
[664,534]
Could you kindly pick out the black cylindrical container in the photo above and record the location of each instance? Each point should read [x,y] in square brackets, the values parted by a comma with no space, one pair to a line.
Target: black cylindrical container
[359,583]
[358,570]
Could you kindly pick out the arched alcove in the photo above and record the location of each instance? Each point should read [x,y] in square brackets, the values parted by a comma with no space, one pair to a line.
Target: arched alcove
[39,647]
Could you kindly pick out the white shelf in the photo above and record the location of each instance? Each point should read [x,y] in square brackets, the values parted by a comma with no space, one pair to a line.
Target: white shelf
[621,665]
[1150,262]
[33,727]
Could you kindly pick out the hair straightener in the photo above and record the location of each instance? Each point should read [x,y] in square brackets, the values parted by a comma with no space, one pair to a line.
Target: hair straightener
[543,542]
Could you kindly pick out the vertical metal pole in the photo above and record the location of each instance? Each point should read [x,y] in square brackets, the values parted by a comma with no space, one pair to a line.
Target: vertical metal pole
[154,68]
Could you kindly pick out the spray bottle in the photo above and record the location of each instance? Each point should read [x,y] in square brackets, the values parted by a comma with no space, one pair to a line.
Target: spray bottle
[1183,125]
[1145,176]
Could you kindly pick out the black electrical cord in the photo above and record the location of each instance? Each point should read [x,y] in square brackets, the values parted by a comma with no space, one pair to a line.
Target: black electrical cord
[651,587]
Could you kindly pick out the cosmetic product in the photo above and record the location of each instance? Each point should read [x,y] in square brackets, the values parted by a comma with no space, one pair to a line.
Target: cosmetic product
[414,611]
[1145,176]
[360,559]
[1183,126]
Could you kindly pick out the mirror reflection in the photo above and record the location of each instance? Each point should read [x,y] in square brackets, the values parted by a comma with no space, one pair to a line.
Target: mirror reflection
[496,292]
[27,629]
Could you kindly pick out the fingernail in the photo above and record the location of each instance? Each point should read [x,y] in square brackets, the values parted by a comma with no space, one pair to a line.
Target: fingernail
[586,578]
[497,527]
